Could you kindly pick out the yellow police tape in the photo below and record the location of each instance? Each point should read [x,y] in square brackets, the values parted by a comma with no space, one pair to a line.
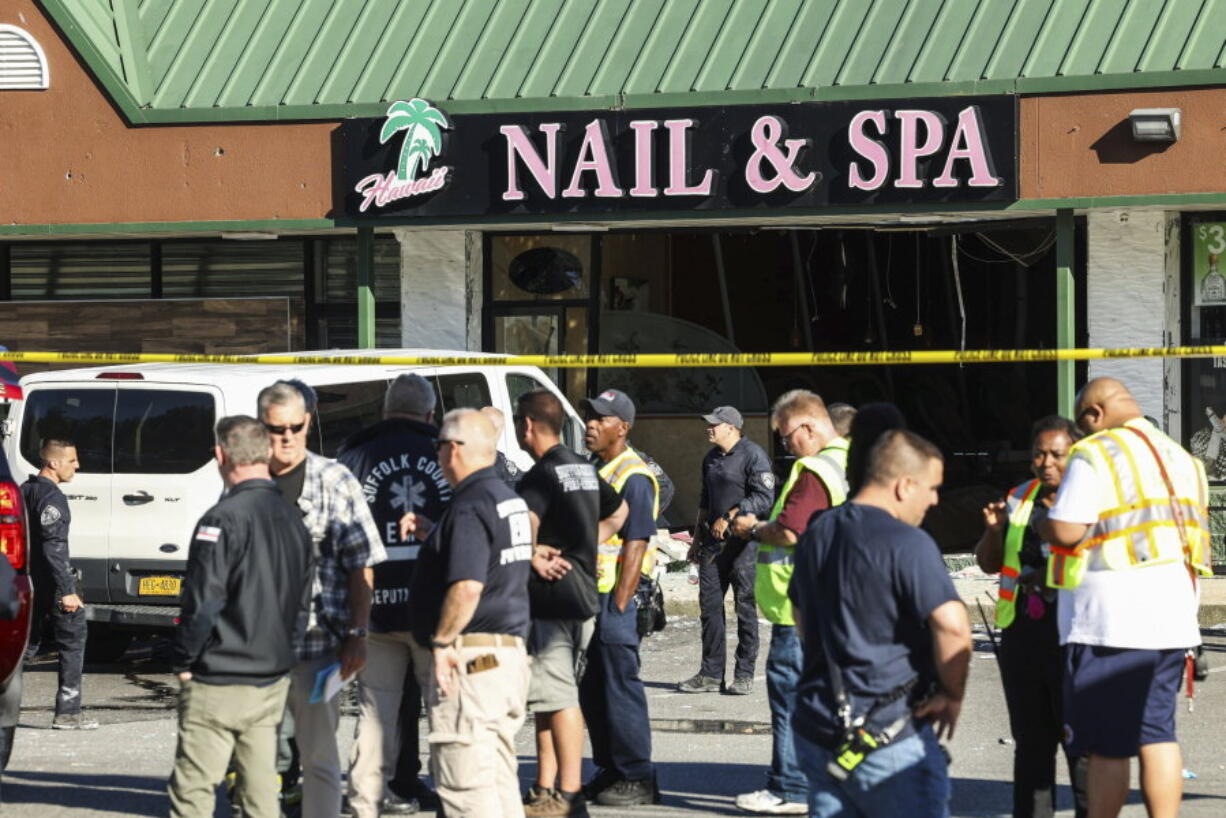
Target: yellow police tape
[698,359]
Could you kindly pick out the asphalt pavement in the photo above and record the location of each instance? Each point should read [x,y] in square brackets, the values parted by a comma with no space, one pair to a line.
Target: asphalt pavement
[709,747]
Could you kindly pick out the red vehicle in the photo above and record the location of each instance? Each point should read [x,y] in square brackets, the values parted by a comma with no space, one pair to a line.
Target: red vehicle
[16,603]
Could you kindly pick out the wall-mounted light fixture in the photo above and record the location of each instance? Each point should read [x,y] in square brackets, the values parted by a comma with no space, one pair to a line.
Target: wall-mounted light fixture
[1155,124]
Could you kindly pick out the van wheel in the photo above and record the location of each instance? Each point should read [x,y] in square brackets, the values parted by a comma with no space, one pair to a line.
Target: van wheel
[105,644]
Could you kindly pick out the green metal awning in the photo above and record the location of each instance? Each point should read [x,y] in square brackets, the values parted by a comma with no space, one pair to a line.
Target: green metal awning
[260,60]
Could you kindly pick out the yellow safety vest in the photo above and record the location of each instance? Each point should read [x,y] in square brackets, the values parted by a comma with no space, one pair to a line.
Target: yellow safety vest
[1142,528]
[774,568]
[1020,504]
[609,554]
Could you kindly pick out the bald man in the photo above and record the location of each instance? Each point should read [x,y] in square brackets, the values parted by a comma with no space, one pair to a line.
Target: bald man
[468,610]
[1129,534]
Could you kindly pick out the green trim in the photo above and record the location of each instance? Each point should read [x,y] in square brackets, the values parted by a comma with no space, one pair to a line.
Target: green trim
[103,71]
[164,227]
[366,288]
[1145,200]
[135,57]
[1066,309]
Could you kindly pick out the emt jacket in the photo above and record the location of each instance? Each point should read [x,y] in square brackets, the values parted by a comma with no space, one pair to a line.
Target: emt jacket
[247,590]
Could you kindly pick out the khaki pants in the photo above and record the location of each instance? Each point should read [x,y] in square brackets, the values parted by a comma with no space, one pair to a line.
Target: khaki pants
[215,721]
[315,731]
[376,737]
[472,733]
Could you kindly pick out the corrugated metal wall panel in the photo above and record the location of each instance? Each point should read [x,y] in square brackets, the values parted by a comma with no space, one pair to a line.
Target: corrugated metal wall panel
[661,47]
[325,53]
[594,39]
[524,50]
[695,46]
[306,18]
[626,45]
[187,66]
[403,28]
[801,43]
[882,27]
[949,31]
[763,49]
[269,54]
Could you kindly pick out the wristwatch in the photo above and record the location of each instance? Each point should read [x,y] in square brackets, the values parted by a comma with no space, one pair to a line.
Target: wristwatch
[357,633]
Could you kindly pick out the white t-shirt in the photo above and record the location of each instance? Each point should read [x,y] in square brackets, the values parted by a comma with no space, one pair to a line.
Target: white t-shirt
[1150,608]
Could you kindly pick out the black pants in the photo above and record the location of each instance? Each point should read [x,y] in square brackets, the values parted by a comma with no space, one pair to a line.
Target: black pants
[408,760]
[1032,669]
[68,635]
[731,565]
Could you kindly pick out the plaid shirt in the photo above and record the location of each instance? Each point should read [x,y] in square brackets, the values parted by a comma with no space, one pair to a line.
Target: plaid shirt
[345,539]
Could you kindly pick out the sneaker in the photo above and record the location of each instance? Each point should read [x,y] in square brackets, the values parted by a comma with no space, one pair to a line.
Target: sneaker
[627,793]
[536,795]
[73,721]
[420,792]
[555,804]
[699,684]
[765,802]
[603,780]
[740,687]
[393,804]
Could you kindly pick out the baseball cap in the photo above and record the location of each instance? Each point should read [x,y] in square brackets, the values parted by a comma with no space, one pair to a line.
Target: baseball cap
[725,414]
[611,403]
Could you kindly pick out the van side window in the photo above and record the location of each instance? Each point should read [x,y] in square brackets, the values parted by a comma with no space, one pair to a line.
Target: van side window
[163,431]
[84,416]
[518,384]
[463,390]
[345,408]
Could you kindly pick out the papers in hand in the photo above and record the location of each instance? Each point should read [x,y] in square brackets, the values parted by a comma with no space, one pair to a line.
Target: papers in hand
[328,683]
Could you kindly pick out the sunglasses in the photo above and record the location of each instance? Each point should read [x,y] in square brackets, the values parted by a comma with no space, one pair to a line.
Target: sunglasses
[280,430]
[438,444]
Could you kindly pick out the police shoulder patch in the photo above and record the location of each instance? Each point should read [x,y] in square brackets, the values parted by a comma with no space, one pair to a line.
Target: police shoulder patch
[50,516]
[767,478]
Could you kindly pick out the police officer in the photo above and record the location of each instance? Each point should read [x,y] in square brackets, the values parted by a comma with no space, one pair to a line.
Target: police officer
[469,613]
[56,602]
[396,464]
[816,483]
[611,694]
[1031,660]
[736,479]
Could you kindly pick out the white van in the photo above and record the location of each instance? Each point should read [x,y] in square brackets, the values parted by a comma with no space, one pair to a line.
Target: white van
[144,436]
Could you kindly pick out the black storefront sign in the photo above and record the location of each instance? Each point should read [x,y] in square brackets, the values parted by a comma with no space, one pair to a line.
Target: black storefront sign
[420,162]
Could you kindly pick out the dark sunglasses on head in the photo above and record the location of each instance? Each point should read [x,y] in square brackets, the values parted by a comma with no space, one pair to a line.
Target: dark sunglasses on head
[438,444]
[280,430]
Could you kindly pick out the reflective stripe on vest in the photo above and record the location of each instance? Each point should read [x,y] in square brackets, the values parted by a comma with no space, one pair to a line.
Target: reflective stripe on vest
[773,572]
[1020,503]
[1141,529]
[609,553]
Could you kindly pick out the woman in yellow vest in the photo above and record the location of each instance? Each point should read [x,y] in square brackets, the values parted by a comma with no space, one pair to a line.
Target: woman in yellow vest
[1031,660]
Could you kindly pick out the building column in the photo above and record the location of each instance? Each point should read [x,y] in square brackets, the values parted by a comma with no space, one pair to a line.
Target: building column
[366,288]
[1129,301]
[1066,310]
[440,289]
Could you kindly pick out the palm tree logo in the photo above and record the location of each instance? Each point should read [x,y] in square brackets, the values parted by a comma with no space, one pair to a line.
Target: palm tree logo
[423,139]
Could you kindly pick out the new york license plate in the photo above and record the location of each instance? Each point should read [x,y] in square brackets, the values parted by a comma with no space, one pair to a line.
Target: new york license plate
[159,586]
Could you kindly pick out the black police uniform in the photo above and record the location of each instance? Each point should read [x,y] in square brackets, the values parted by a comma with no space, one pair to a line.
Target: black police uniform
[53,578]
[396,463]
[508,471]
[740,478]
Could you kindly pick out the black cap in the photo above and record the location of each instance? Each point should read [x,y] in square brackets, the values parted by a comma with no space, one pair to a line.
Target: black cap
[725,414]
[611,403]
